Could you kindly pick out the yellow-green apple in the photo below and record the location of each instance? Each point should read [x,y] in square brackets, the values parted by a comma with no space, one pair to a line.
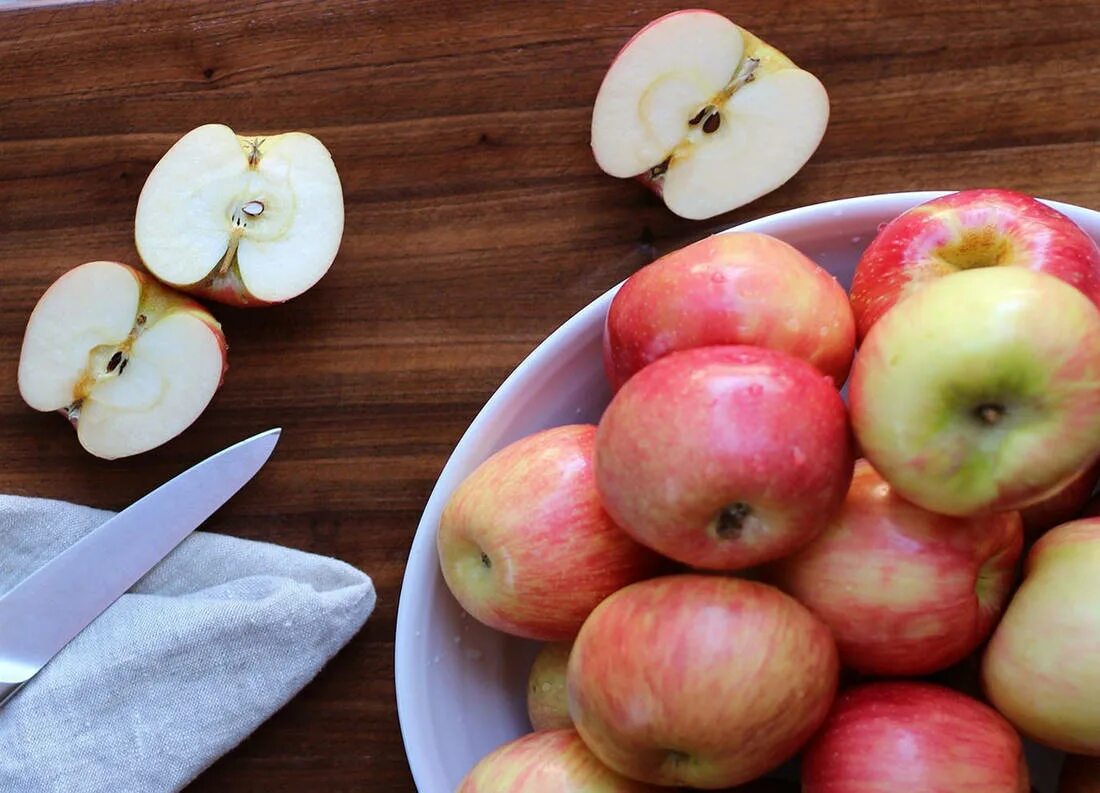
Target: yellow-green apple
[965,230]
[1041,669]
[706,114]
[545,761]
[547,707]
[524,543]
[1080,775]
[735,288]
[130,363]
[724,457]
[979,391]
[1063,506]
[244,219]
[914,737]
[700,680]
[905,591]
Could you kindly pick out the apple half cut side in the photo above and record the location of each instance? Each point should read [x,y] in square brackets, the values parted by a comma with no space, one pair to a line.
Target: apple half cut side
[130,363]
[706,114]
[245,220]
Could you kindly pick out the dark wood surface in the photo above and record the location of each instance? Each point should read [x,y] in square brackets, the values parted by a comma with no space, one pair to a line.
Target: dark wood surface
[477,222]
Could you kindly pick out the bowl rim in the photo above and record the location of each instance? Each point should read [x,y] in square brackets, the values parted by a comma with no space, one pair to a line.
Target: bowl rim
[422,554]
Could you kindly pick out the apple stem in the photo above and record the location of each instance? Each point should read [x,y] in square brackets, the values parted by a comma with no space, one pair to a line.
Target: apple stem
[990,413]
[486,561]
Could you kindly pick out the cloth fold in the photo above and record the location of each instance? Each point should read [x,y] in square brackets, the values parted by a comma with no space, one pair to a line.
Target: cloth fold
[178,671]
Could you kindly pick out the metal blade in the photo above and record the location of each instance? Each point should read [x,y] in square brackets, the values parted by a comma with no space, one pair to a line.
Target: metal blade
[42,613]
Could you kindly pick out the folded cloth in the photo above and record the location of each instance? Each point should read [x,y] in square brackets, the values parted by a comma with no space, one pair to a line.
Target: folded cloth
[202,650]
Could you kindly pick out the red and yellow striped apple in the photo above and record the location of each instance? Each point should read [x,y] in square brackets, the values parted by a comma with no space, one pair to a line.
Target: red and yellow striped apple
[905,591]
[964,230]
[524,543]
[979,392]
[1041,669]
[735,288]
[700,680]
[724,457]
[913,737]
[1062,506]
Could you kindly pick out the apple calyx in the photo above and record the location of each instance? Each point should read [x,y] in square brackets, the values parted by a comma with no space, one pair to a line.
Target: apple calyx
[732,520]
[709,118]
[990,413]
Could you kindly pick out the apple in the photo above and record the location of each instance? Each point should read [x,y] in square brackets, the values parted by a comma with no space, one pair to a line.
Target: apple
[905,591]
[1041,669]
[914,737]
[129,363]
[1062,506]
[545,761]
[733,288]
[547,707]
[706,114]
[724,457]
[525,545]
[244,219]
[978,392]
[700,680]
[1080,775]
[965,230]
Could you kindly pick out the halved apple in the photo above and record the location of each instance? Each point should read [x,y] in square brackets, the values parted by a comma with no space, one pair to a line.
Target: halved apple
[246,220]
[706,114]
[130,363]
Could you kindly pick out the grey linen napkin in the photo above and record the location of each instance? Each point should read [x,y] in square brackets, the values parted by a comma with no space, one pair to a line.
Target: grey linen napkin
[207,646]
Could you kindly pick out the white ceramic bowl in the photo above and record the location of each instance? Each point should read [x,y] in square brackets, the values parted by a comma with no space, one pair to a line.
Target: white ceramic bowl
[461,686]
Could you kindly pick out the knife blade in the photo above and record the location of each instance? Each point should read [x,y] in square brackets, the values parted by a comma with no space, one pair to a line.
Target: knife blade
[43,612]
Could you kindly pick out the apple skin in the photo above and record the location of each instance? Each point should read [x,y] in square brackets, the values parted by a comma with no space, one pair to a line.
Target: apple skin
[915,737]
[971,228]
[1064,505]
[977,393]
[1040,668]
[1080,775]
[547,706]
[548,760]
[724,457]
[733,288]
[700,680]
[532,511]
[905,591]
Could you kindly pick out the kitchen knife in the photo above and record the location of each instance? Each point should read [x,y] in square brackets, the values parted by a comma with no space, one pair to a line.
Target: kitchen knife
[42,613]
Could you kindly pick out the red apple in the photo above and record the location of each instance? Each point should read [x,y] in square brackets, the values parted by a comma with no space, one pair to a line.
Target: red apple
[700,680]
[1041,669]
[735,288]
[1080,775]
[914,738]
[724,457]
[524,543]
[905,591]
[1064,505]
[547,707]
[961,231]
[545,761]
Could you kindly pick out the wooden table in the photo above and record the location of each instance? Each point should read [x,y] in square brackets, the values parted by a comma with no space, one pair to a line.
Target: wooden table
[477,222]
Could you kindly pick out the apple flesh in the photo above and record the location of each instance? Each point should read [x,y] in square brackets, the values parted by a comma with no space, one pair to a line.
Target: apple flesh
[905,591]
[524,543]
[547,706]
[978,392]
[966,230]
[917,738]
[1040,668]
[1080,775]
[129,363]
[696,680]
[540,762]
[246,220]
[724,457]
[707,114]
[1062,506]
[733,288]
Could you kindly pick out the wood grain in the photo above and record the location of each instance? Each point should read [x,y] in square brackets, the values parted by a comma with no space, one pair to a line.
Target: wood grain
[477,222]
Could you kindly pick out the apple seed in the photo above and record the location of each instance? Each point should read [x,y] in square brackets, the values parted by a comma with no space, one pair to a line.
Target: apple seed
[700,115]
[116,359]
[712,123]
[253,208]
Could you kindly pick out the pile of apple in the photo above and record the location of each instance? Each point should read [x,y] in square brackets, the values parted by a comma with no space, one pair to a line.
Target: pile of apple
[734,568]
[243,220]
